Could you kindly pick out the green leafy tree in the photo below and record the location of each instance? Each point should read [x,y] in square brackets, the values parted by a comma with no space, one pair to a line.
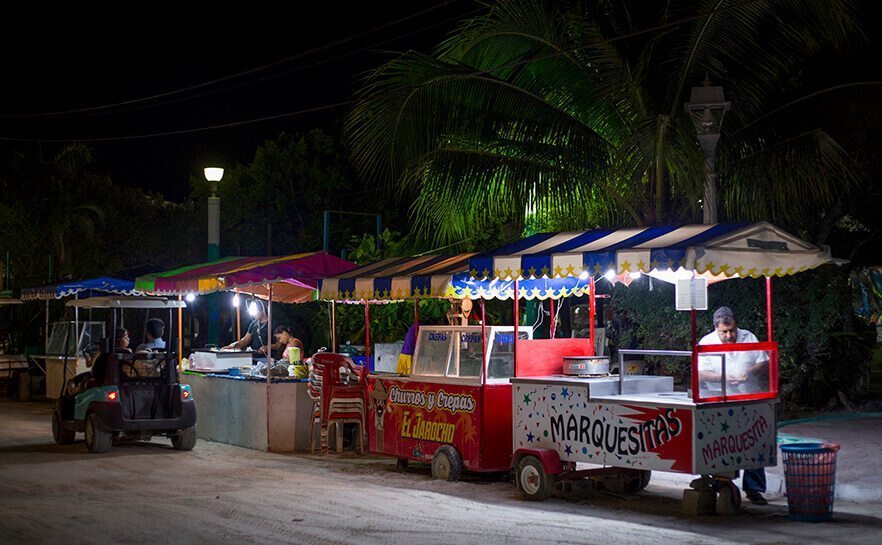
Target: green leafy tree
[572,113]
[274,204]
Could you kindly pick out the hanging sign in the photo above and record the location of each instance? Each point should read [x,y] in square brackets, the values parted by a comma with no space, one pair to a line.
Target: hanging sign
[691,294]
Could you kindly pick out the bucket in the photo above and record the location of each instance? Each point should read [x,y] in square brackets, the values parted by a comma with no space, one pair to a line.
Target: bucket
[810,478]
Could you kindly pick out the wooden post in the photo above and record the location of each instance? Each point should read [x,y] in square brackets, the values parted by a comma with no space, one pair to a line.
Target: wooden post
[180,335]
[269,359]
[333,326]
[553,322]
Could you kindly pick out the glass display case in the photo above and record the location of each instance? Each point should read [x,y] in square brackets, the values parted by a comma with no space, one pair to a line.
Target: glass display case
[458,351]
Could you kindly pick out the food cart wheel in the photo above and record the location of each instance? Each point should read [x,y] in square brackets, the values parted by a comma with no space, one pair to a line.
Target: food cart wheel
[532,481]
[62,435]
[446,464]
[401,465]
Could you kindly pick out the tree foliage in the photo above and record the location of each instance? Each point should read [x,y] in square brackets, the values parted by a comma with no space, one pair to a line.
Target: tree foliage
[574,112]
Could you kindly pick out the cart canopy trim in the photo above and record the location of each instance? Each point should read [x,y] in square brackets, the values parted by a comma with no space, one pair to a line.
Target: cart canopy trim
[438,276]
[297,276]
[717,251]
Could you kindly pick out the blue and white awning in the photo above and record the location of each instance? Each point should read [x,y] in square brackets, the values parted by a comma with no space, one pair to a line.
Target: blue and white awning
[717,250]
[400,278]
[93,286]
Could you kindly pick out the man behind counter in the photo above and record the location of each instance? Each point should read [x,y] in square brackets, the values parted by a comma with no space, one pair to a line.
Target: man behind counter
[747,372]
[256,336]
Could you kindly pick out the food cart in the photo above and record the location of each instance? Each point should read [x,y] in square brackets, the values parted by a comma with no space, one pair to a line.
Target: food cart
[632,425]
[259,412]
[454,409]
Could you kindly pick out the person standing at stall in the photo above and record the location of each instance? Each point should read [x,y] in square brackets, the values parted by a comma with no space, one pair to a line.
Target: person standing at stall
[746,372]
[256,335]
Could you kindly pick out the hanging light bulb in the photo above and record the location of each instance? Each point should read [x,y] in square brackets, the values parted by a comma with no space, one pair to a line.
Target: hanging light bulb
[252,309]
[190,297]
[236,301]
[610,275]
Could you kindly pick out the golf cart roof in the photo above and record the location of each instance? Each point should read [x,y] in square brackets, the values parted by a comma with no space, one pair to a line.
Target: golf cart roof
[126,302]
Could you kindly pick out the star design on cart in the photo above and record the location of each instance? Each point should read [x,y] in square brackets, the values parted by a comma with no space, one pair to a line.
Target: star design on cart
[724,427]
[530,437]
[565,392]
[527,399]
[568,450]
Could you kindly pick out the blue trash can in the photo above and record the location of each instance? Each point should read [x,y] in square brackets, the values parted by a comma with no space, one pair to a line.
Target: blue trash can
[810,477]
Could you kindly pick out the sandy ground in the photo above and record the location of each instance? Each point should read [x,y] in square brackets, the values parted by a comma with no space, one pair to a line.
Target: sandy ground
[148,493]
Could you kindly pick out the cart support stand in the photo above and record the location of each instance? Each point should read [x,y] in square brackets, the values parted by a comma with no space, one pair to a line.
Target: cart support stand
[553,318]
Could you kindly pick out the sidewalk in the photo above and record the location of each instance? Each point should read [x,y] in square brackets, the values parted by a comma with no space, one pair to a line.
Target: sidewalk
[858,464]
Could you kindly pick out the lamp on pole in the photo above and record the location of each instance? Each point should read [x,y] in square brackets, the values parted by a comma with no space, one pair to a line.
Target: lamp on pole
[213,175]
[707,105]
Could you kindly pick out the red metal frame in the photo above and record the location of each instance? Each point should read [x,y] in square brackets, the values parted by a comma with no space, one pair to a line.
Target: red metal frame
[769,309]
[592,308]
[367,332]
[553,320]
[770,347]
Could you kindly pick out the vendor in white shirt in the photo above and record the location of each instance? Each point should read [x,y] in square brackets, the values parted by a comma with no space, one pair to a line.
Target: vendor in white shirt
[746,372]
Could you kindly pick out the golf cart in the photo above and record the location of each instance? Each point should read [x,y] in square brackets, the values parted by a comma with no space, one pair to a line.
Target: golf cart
[126,395]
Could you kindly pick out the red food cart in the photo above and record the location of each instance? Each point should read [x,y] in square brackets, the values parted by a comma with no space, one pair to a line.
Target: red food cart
[630,425]
[454,409]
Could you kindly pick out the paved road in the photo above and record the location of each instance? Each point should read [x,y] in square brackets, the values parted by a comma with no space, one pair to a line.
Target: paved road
[148,493]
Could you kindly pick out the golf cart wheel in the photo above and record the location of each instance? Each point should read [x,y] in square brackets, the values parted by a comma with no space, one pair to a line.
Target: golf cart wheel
[62,435]
[446,464]
[185,440]
[98,440]
[532,481]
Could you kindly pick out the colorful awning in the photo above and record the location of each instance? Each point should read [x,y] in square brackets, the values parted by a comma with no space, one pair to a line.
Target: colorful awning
[294,277]
[718,250]
[434,276]
[93,286]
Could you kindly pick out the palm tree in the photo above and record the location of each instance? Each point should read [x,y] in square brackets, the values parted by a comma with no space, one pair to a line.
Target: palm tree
[572,113]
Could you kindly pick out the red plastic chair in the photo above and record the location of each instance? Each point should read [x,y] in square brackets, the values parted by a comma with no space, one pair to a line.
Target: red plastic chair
[342,399]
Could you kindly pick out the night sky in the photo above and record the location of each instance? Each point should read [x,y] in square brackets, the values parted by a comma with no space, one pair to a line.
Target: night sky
[81,56]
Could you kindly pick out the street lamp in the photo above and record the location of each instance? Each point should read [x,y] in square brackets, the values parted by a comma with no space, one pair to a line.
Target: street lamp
[213,175]
[707,105]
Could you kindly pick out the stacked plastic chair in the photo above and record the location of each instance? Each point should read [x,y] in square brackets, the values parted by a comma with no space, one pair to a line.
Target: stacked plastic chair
[338,399]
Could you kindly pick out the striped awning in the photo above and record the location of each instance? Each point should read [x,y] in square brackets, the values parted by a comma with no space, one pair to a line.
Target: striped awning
[717,250]
[295,276]
[435,276]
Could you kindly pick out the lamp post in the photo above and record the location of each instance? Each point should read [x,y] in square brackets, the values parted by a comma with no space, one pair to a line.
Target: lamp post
[213,175]
[707,105]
